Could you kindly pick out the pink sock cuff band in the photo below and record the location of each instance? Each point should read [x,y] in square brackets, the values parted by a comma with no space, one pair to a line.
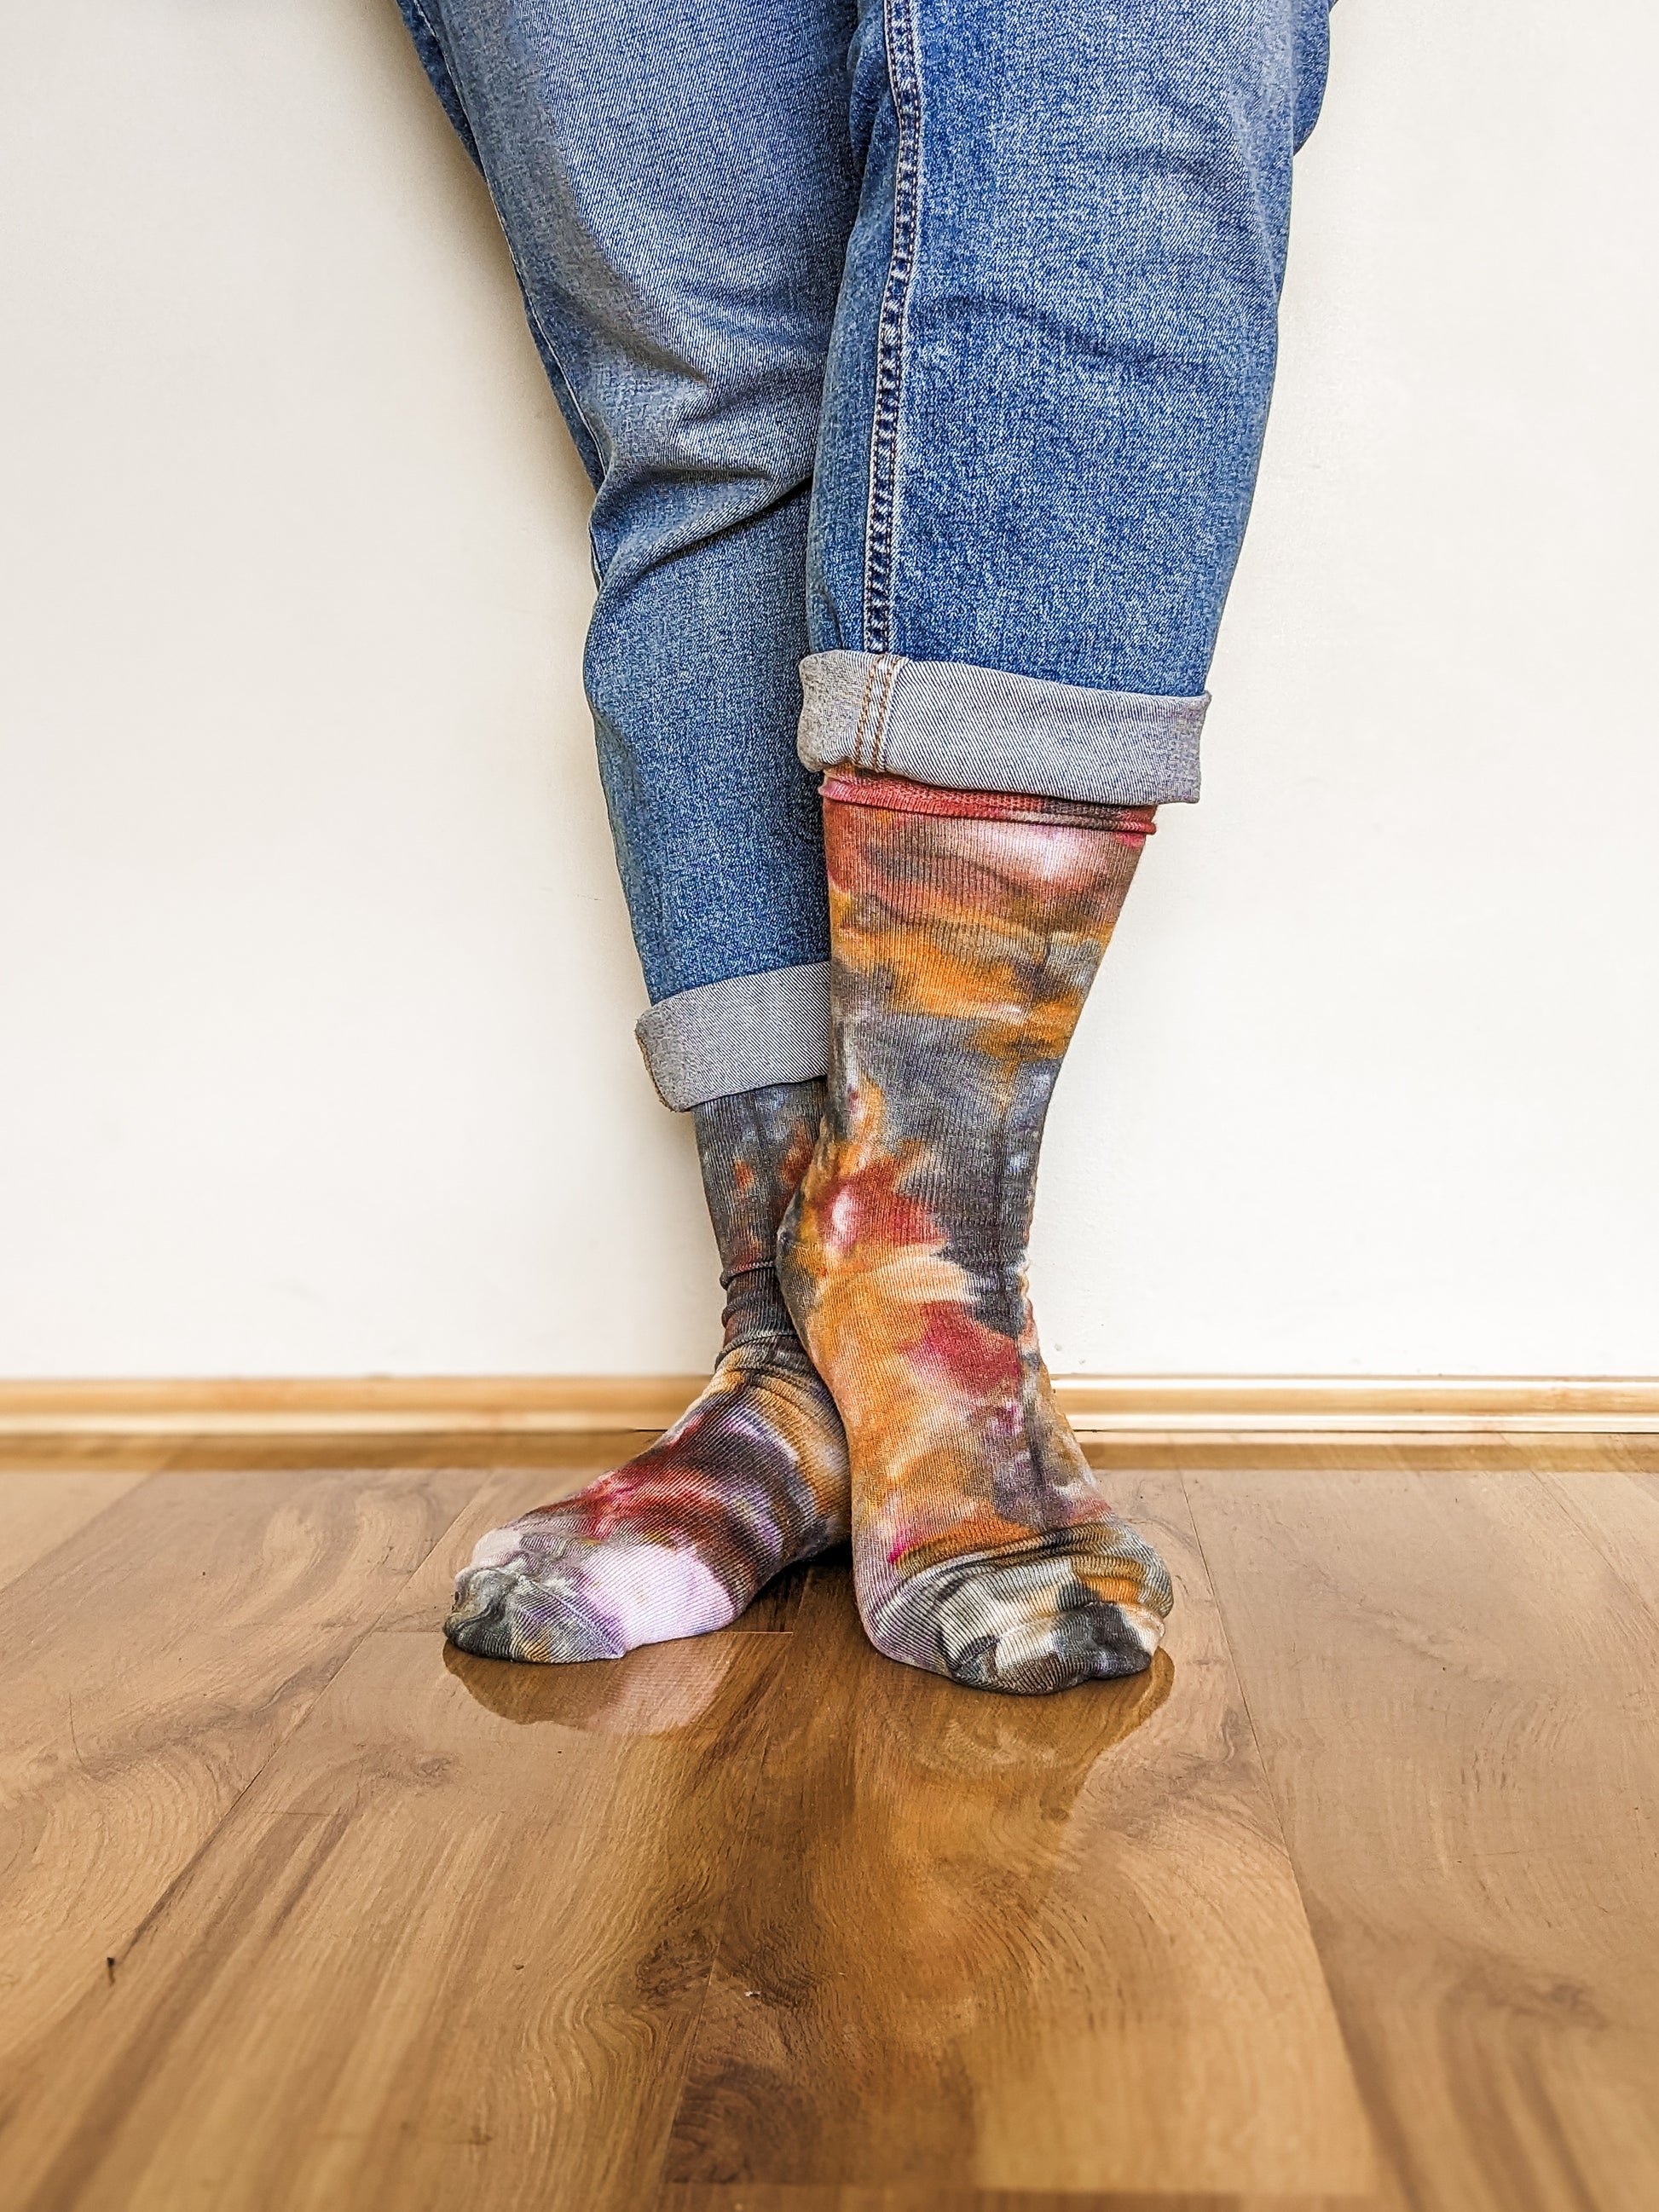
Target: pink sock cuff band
[897,794]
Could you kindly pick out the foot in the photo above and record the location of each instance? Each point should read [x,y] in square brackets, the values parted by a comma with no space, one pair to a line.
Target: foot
[751,1480]
[983,1547]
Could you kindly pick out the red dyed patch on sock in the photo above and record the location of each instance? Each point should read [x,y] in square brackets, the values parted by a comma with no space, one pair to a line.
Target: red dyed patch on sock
[966,1356]
[866,1211]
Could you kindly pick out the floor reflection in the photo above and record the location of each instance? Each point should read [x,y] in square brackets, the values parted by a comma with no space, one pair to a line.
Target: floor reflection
[946,1811]
[661,1689]
[909,1889]
[928,1904]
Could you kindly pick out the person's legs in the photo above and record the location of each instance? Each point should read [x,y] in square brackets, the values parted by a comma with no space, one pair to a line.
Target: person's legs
[1041,425]
[676,187]
[1053,350]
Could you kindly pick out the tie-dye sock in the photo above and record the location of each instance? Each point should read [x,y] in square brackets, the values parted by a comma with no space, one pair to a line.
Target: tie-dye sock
[966,929]
[751,1479]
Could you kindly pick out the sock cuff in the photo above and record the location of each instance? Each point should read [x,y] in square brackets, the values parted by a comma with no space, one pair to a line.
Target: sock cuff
[846,787]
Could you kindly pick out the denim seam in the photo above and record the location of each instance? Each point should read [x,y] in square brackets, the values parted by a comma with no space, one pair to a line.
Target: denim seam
[543,333]
[531,309]
[436,37]
[531,312]
[553,355]
[881,520]
[890,669]
[863,712]
[875,711]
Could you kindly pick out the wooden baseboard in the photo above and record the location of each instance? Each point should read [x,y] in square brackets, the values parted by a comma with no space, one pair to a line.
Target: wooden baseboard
[1098,1405]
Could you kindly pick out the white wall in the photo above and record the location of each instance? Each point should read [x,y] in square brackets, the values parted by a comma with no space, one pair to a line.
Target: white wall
[315,985]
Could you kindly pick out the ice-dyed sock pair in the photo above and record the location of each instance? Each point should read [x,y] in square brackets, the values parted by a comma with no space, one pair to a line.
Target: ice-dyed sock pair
[966,928]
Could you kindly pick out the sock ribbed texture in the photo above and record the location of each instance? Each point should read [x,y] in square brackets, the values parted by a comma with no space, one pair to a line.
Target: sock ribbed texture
[966,929]
[751,1478]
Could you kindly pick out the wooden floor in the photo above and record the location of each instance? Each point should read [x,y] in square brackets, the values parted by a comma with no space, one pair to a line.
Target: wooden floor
[1352,1901]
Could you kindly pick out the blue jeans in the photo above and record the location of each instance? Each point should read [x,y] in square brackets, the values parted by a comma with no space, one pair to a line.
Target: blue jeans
[920,354]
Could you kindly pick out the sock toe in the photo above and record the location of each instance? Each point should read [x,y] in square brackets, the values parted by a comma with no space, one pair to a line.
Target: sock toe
[1026,1624]
[1096,1641]
[499,1614]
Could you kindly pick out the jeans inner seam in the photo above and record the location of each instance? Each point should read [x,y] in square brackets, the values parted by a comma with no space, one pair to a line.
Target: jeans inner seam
[532,309]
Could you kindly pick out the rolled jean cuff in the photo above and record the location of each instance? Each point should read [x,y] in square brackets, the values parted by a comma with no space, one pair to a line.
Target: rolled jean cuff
[740,1034]
[963,728]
